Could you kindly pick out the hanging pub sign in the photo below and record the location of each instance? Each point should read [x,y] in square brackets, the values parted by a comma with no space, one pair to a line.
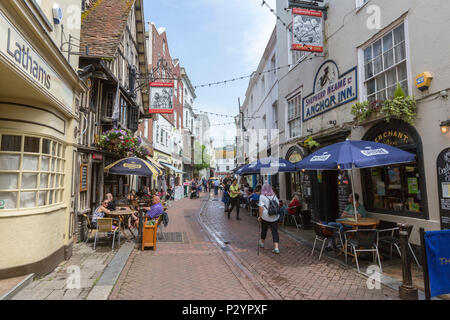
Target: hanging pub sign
[330,90]
[443,174]
[161,97]
[307,30]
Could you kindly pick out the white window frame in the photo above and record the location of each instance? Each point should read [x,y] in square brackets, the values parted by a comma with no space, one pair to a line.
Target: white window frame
[361,63]
[54,176]
[297,94]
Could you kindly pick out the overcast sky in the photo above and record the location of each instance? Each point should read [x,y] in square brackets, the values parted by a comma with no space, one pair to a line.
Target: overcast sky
[215,40]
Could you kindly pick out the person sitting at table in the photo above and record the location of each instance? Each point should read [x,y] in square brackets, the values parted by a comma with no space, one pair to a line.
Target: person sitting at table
[112,204]
[100,213]
[155,210]
[132,196]
[348,213]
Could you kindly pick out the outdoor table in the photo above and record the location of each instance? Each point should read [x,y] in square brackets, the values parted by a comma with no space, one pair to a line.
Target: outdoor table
[370,223]
[365,223]
[122,214]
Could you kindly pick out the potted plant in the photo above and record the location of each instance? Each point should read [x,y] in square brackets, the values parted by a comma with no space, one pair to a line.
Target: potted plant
[311,144]
[400,106]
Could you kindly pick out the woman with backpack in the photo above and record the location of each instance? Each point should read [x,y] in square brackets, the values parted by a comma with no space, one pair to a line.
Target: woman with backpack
[269,213]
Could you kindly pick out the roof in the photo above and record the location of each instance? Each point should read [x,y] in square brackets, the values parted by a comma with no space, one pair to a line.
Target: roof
[102,26]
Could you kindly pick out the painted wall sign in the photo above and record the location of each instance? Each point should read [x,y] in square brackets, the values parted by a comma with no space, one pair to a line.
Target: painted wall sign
[393,137]
[307,30]
[443,174]
[16,49]
[331,90]
[161,97]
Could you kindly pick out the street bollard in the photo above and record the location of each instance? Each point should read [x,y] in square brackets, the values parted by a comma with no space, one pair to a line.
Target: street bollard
[141,226]
[406,291]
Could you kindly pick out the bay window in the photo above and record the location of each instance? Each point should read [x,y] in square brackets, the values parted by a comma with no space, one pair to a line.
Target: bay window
[31,171]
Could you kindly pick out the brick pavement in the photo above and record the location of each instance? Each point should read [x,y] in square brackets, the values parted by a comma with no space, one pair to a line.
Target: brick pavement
[193,270]
[293,274]
[200,269]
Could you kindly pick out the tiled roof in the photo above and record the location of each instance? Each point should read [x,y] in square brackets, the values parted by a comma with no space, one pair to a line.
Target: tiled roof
[102,26]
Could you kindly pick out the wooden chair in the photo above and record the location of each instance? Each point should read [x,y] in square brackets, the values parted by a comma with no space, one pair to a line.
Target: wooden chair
[105,225]
[90,226]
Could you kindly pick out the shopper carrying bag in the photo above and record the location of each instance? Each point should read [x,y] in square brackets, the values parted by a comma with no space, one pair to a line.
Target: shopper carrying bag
[269,213]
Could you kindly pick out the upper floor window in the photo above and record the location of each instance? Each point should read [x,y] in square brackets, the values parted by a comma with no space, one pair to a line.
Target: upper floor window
[295,116]
[385,65]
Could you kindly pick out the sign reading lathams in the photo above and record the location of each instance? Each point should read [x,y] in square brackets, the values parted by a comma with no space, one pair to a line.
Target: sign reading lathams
[15,48]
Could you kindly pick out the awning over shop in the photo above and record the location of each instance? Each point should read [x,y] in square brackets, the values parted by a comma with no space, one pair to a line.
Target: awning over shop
[155,163]
[172,167]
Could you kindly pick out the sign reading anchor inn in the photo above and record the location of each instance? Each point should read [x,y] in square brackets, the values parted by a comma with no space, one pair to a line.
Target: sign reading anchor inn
[20,53]
[330,90]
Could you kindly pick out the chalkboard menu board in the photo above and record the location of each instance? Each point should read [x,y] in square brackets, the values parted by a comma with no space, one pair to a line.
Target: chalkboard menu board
[443,174]
[343,190]
[84,177]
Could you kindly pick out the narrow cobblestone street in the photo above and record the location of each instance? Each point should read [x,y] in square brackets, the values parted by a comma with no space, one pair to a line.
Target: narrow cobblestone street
[218,260]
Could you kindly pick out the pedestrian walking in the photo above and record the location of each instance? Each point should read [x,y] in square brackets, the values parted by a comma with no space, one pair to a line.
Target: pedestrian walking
[234,198]
[269,213]
[216,187]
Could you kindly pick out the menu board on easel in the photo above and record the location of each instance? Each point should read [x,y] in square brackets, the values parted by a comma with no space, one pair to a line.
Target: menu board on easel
[83,177]
[443,175]
[343,190]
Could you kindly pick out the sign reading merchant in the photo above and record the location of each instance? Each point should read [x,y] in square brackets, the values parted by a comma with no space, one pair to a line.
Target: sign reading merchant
[17,50]
[161,97]
[331,90]
[307,30]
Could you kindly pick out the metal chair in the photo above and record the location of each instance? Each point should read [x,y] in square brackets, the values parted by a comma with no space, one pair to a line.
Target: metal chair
[106,225]
[253,207]
[365,240]
[330,233]
[292,216]
[395,241]
[160,226]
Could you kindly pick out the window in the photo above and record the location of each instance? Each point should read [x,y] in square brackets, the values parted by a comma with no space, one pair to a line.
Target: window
[31,171]
[157,133]
[294,116]
[385,65]
[123,112]
[360,3]
[396,189]
[109,104]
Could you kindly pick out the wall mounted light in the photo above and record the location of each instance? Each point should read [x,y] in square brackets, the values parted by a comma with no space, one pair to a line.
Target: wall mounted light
[445,126]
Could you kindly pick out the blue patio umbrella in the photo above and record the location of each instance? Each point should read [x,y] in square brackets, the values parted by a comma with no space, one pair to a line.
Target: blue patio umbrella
[350,154]
[267,166]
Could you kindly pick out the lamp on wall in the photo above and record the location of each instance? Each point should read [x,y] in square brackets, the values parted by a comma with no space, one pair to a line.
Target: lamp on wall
[445,126]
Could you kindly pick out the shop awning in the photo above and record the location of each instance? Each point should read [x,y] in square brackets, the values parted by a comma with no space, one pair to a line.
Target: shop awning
[155,163]
[172,167]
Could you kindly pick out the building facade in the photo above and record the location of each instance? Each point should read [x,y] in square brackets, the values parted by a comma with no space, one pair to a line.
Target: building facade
[258,120]
[189,97]
[40,92]
[317,95]
[112,59]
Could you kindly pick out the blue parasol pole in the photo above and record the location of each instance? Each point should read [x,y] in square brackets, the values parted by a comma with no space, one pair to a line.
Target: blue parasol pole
[353,194]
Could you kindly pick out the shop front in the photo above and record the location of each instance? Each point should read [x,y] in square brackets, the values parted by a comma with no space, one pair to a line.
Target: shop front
[396,190]
[39,91]
[163,159]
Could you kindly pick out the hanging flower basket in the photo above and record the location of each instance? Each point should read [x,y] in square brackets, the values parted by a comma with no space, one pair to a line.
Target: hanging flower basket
[122,142]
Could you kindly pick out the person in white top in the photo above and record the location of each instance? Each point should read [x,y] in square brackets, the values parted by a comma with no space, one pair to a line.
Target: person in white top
[267,220]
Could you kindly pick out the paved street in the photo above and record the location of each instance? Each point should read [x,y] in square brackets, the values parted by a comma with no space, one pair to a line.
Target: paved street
[218,260]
